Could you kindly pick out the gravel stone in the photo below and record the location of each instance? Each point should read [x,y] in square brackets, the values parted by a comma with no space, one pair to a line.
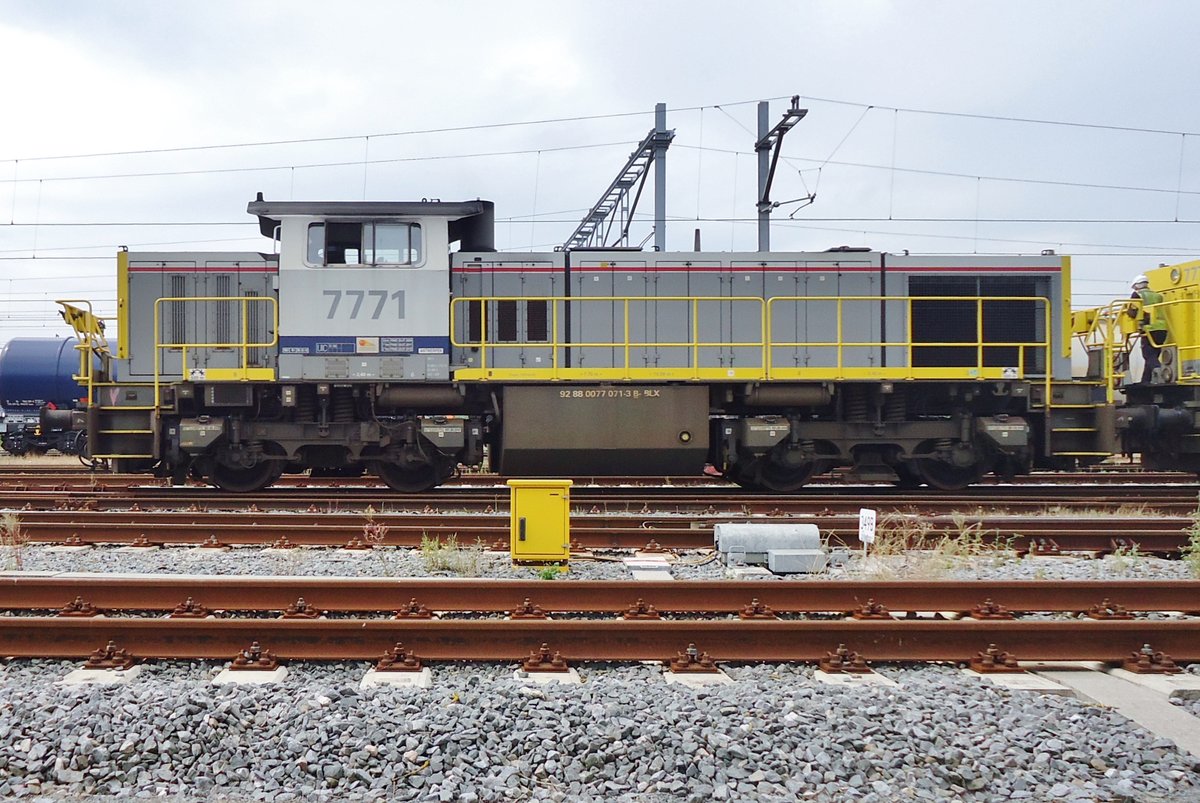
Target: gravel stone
[300,562]
[622,735]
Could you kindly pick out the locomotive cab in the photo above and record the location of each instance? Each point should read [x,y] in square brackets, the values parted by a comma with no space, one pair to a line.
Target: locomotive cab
[364,287]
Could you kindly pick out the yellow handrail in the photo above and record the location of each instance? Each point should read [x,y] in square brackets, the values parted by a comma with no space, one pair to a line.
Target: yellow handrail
[763,311]
[1113,328]
[243,345]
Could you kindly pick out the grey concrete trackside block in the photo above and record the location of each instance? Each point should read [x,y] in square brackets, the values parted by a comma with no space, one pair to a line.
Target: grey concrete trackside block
[101,677]
[250,677]
[1025,681]
[569,678]
[651,568]
[1177,687]
[852,680]
[697,680]
[421,679]
[1148,708]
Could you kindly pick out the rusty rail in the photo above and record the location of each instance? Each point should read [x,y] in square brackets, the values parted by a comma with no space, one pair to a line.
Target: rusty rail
[165,592]
[1158,535]
[624,640]
[1179,499]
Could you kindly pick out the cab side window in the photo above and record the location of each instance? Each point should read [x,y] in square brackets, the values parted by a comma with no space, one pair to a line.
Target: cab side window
[375,243]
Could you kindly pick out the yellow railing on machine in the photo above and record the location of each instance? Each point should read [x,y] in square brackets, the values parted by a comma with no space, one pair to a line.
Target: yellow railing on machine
[751,308]
[1111,331]
[1107,331]
[746,314]
[243,372]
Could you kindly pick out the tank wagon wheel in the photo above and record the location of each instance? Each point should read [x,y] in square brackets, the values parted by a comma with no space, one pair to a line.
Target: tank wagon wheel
[245,479]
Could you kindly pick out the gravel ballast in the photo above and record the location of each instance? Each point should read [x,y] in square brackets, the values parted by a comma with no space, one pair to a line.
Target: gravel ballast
[398,562]
[622,735]
[478,735]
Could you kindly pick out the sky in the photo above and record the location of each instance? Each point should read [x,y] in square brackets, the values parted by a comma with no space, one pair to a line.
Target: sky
[935,127]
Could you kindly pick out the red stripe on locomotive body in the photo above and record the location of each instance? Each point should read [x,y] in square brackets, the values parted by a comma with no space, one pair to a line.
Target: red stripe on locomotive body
[760,269]
[203,270]
[508,269]
[186,269]
[989,269]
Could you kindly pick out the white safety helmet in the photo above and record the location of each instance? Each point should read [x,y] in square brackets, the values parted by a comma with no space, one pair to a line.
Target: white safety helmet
[1139,280]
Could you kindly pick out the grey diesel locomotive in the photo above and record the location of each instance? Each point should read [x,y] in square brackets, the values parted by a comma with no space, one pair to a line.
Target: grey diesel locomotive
[392,337]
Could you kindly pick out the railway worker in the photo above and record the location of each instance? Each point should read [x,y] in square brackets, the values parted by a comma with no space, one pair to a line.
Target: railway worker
[1152,324]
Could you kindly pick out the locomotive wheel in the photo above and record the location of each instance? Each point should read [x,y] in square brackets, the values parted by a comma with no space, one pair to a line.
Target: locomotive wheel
[947,477]
[412,479]
[743,476]
[781,479]
[244,480]
[764,474]
[907,477]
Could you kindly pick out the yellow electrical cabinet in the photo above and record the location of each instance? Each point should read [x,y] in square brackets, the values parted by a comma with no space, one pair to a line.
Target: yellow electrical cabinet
[540,528]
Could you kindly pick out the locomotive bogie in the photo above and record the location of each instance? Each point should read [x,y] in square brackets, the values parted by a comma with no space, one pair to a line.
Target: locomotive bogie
[243,437]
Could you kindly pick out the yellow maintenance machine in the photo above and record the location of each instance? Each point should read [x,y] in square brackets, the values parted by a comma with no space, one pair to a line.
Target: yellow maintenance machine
[1159,417]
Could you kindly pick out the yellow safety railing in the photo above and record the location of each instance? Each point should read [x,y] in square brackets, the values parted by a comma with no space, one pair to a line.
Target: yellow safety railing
[1183,333]
[1113,329]
[244,372]
[750,312]
[90,341]
[1108,330]
[908,369]
[626,370]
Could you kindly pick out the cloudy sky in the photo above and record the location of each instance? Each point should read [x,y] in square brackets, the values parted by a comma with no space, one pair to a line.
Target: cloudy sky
[938,127]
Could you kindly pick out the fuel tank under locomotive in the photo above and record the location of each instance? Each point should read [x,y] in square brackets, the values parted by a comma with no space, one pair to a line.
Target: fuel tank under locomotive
[601,429]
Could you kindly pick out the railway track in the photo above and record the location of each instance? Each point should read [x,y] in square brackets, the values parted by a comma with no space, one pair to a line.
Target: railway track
[756,638]
[1158,535]
[1177,500]
[345,595]
[599,640]
[33,471]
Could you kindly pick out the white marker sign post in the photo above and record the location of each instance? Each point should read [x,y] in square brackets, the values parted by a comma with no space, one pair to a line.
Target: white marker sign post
[866,527]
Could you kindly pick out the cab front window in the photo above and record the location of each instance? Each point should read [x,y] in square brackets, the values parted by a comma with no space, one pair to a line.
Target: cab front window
[369,244]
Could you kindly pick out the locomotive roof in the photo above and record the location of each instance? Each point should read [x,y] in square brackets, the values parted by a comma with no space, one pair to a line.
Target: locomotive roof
[269,213]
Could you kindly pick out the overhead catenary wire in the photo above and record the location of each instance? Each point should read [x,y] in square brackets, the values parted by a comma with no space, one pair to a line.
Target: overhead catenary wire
[317,165]
[20,174]
[951,174]
[1007,118]
[373,135]
[594,117]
